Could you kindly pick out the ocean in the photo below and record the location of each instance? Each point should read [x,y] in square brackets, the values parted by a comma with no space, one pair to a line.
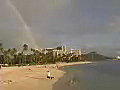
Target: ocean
[104,75]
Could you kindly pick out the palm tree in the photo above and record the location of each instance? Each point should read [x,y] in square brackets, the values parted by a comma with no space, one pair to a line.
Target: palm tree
[1,55]
[1,50]
[12,54]
[25,47]
[7,59]
[20,58]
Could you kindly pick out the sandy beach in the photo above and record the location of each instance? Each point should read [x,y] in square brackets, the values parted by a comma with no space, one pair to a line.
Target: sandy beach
[31,77]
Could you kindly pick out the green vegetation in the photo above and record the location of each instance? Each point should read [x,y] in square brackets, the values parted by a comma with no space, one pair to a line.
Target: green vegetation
[12,57]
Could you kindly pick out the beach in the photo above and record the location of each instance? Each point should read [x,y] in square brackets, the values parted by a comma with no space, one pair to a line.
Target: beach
[32,77]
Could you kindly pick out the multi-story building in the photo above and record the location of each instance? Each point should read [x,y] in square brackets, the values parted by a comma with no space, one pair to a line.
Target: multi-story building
[61,50]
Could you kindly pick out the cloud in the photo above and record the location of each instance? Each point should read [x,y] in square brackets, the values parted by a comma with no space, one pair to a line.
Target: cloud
[77,23]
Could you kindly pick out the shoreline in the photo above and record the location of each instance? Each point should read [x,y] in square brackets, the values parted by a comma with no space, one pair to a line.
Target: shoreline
[64,76]
[33,76]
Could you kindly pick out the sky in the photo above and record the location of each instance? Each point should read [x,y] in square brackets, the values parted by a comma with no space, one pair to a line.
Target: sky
[87,24]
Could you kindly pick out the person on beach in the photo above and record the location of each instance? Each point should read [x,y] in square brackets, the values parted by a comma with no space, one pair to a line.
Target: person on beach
[49,75]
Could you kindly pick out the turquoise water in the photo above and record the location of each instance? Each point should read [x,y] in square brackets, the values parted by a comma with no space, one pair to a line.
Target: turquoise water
[96,76]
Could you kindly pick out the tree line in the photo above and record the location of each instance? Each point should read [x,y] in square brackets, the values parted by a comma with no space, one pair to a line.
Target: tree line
[12,57]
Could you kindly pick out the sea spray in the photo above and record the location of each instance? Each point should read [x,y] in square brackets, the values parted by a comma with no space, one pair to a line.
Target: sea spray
[27,29]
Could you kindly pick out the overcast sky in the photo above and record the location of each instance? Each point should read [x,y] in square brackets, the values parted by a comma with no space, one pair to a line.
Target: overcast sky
[76,23]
